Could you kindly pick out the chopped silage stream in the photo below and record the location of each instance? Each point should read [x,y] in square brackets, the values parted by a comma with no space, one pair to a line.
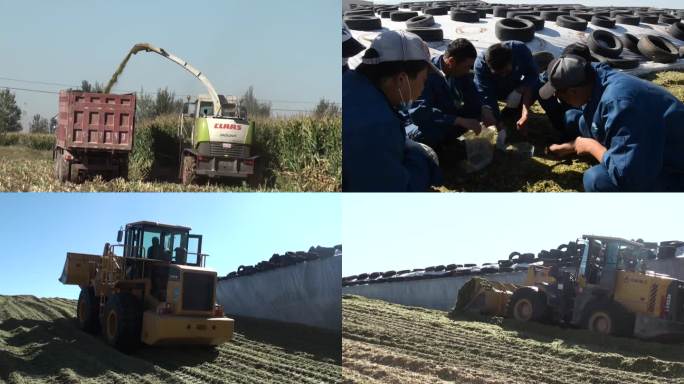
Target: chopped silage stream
[390,343]
[39,342]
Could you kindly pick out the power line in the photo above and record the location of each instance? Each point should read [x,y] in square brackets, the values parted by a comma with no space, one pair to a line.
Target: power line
[56,93]
[143,93]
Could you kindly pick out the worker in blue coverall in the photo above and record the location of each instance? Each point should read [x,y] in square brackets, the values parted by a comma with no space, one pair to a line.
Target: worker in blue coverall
[449,105]
[507,72]
[634,128]
[377,156]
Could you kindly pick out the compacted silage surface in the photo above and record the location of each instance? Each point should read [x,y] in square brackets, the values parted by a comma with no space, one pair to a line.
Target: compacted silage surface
[390,343]
[40,343]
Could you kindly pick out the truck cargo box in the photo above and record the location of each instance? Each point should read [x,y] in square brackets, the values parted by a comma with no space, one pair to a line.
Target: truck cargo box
[98,121]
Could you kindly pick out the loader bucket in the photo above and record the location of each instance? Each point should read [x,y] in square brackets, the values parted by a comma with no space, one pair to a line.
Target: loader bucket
[484,296]
[79,268]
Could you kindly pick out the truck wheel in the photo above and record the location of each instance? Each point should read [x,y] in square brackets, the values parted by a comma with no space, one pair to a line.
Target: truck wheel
[72,173]
[123,322]
[609,319]
[188,175]
[87,311]
[527,305]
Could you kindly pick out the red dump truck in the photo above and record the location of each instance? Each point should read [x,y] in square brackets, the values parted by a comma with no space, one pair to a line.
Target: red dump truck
[94,135]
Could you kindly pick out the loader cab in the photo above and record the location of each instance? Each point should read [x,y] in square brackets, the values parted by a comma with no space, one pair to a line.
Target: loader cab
[160,242]
[203,106]
[603,257]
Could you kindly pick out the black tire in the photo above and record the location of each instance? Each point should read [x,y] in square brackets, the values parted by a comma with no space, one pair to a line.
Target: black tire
[481,12]
[72,173]
[437,11]
[385,14]
[583,15]
[649,18]
[536,20]
[619,63]
[514,12]
[363,23]
[658,49]
[571,22]
[500,11]
[527,305]
[681,51]
[676,30]
[627,19]
[88,311]
[514,29]
[428,33]
[552,15]
[603,21]
[514,254]
[122,322]
[188,170]
[543,59]
[608,318]
[402,15]
[616,12]
[359,12]
[668,19]
[630,42]
[464,15]
[420,21]
[604,43]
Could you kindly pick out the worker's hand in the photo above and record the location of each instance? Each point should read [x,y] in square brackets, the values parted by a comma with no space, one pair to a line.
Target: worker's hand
[522,122]
[469,124]
[488,118]
[563,149]
[589,146]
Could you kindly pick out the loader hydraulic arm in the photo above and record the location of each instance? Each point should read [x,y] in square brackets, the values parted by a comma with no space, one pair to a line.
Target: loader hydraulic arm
[150,48]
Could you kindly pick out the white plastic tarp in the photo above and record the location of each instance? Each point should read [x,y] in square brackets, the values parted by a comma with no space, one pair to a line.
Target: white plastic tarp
[552,38]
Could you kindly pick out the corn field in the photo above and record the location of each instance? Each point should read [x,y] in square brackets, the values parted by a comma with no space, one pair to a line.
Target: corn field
[299,154]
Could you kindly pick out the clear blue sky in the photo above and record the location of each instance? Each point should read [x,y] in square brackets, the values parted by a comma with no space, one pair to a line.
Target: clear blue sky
[288,50]
[402,231]
[37,230]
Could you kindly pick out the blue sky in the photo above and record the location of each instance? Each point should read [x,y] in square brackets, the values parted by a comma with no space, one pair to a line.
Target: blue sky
[37,230]
[401,231]
[288,50]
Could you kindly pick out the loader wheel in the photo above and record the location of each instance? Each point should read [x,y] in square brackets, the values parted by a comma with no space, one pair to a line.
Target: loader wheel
[188,175]
[123,322]
[609,319]
[527,305]
[87,311]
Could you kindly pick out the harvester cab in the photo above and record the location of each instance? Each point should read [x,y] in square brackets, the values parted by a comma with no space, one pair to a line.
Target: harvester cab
[156,292]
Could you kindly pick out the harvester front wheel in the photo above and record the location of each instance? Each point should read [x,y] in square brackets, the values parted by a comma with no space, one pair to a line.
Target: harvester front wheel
[188,174]
[123,321]
[527,305]
[87,311]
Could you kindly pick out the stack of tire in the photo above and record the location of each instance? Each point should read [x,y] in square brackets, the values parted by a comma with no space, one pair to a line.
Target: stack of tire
[658,49]
[607,48]
[423,26]
[514,29]
[668,249]
[362,20]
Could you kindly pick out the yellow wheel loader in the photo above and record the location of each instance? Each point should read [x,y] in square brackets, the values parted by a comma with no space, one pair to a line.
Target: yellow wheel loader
[157,292]
[609,292]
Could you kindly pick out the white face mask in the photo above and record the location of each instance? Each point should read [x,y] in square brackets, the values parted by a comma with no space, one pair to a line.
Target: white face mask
[406,104]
